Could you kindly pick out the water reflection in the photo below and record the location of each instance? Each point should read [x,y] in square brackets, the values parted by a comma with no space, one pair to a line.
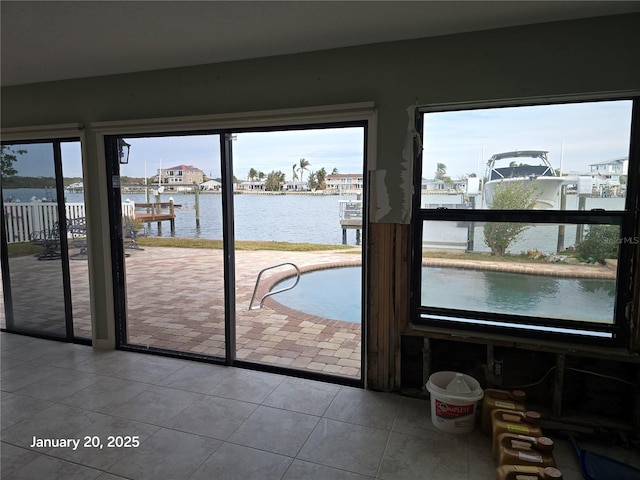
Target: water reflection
[589,300]
[517,292]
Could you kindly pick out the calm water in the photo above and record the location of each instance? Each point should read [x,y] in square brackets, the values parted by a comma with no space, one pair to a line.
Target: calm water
[289,218]
[315,219]
[335,293]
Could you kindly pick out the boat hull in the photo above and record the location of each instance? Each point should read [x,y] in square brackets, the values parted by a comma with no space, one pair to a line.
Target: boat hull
[546,189]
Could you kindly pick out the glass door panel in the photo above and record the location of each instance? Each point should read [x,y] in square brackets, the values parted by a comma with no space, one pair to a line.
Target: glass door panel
[34,286]
[298,205]
[171,203]
[76,238]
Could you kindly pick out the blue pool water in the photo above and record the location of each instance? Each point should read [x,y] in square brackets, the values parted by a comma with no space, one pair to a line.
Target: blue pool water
[336,294]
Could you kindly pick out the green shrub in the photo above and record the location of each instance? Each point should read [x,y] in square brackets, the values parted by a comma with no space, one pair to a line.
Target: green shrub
[498,236]
[600,242]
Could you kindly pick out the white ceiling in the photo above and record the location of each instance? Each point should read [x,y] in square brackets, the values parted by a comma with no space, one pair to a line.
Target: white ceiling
[55,40]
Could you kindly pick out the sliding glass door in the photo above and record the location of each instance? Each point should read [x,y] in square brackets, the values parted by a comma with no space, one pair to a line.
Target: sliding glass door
[206,224]
[168,214]
[298,209]
[37,245]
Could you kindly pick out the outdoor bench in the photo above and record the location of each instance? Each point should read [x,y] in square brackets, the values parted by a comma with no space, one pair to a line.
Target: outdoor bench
[49,239]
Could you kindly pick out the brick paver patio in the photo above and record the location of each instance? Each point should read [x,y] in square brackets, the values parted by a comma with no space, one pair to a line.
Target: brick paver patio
[175,301]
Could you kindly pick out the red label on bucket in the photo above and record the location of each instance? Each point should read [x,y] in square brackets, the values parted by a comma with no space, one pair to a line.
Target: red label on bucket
[453,411]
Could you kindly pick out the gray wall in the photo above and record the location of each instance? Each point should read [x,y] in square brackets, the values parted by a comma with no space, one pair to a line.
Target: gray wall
[593,55]
[549,59]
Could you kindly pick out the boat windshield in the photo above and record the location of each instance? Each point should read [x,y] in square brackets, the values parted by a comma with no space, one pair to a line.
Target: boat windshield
[521,171]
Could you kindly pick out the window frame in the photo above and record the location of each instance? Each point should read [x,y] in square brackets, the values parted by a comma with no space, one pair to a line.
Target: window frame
[449,320]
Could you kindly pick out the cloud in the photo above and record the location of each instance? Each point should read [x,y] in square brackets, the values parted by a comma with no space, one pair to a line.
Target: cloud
[575,135]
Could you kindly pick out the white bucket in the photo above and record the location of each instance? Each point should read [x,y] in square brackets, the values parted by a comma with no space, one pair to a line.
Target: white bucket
[453,401]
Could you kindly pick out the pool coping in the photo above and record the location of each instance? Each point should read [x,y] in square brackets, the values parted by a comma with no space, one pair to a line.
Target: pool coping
[550,270]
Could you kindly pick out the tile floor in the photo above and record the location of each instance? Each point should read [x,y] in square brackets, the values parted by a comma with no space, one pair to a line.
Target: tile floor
[200,421]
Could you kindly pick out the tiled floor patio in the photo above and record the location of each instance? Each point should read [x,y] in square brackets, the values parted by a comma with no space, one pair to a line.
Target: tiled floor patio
[198,421]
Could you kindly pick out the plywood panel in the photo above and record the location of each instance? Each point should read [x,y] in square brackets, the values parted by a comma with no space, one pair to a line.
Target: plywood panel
[388,303]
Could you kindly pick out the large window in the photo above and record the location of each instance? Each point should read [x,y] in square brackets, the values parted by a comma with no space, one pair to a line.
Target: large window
[525,221]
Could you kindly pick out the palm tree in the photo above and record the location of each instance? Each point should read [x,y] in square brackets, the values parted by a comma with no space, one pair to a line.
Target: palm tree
[252,174]
[274,181]
[295,175]
[441,170]
[334,171]
[303,166]
[321,178]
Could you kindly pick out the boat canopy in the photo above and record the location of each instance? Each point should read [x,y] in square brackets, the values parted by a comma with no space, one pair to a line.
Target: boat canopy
[542,154]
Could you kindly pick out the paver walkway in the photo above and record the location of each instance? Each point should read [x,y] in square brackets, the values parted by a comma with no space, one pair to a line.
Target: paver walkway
[175,300]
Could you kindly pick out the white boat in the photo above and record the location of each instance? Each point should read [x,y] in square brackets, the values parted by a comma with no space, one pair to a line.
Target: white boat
[537,170]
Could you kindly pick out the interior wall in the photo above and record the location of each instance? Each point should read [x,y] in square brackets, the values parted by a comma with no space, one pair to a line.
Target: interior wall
[562,58]
[539,60]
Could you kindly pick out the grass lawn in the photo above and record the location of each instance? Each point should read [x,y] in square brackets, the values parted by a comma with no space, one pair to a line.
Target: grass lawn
[240,245]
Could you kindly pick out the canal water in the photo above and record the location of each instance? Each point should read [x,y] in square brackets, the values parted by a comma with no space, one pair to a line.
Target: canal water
[315,218]
[286,218]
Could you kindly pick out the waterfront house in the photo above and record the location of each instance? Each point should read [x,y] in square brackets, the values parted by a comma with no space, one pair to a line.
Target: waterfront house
[439,185]
[251,186]
[211,185]
[296,186]
[179,176]
[345,182]
[608,177]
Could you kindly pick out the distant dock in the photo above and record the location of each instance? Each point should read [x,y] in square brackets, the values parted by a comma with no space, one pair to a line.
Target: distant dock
[350,212]
[156,212]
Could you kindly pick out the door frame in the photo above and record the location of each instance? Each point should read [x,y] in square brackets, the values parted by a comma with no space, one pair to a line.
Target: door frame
[223,125]
[55,135]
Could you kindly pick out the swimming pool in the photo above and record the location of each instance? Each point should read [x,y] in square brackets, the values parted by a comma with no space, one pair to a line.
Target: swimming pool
[333,293]
[336,293]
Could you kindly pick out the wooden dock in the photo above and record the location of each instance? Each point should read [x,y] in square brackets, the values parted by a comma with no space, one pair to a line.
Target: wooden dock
[157,212]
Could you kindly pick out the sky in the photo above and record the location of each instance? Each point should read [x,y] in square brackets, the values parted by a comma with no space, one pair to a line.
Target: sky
[575,135]
[341,148]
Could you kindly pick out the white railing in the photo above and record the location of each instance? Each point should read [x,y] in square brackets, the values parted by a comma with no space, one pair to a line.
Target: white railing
[23,219]
[128,209]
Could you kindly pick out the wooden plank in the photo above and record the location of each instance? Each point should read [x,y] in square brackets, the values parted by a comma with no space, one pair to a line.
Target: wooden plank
[558,385]
[374,311]
[154,217]
[401,298]
[388,303]
[385,309]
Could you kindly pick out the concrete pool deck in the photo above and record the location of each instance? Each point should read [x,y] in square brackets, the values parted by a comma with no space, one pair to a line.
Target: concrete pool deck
[175,301]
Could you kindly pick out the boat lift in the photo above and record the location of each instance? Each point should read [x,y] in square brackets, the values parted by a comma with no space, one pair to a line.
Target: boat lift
[350,212]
